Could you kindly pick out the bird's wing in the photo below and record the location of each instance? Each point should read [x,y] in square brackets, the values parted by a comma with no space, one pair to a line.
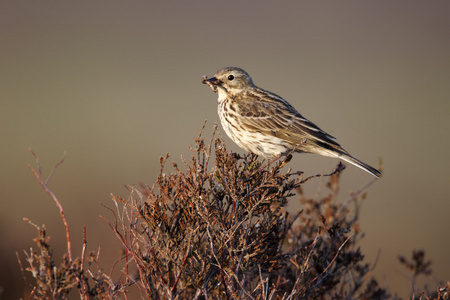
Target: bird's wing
[273,115]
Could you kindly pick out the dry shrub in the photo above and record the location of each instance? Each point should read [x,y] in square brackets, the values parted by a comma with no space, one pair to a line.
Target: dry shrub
[223,232]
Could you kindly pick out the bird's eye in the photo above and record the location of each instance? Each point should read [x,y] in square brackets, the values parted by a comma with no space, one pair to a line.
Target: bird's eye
[230,77]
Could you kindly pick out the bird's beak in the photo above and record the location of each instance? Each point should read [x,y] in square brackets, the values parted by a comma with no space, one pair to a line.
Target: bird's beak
[212,80]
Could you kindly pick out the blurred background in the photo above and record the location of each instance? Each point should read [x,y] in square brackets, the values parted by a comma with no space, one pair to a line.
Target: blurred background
[117,84]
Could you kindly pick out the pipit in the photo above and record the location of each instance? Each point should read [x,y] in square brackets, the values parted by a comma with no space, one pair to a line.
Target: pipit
[265,124]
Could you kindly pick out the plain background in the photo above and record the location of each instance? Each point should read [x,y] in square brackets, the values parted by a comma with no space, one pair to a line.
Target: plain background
[116,84]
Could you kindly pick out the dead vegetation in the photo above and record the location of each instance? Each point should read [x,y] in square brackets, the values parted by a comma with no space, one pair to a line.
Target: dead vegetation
[220,230]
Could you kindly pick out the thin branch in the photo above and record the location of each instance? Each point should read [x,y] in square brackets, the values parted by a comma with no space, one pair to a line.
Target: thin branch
[21,268]
[83,252]
[334,258]
[55,199]
[339,168]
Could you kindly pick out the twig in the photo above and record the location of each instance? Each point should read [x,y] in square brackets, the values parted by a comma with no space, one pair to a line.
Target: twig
[44,184]
[222,272]
[356,193]
[173,290]
[83,251]
[84,288]
[305,265]
[21,268]
[334,258]
[339,168]
[210,146]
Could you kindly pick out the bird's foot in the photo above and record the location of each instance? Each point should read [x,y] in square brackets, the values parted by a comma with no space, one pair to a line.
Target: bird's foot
[285,161]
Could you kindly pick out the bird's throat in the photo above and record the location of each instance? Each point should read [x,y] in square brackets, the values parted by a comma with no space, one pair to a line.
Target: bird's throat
[222,94]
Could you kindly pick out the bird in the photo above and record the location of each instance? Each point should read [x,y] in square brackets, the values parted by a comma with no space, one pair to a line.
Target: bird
[265,124]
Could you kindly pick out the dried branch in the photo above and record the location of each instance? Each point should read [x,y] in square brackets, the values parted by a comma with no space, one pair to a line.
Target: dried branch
[44,184]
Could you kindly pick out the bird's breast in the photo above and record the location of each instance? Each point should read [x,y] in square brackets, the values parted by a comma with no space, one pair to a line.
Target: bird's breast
[251,140]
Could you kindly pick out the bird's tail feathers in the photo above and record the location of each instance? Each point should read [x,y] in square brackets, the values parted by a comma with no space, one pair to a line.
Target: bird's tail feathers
[356,162]
[342,154]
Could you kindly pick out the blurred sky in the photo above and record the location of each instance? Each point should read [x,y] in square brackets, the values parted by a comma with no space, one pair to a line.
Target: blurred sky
[116,84]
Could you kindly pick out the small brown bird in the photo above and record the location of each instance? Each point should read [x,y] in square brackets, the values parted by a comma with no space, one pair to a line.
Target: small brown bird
[267,125]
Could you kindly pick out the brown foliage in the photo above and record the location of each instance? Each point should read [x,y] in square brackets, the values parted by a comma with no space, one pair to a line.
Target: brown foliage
[223,232]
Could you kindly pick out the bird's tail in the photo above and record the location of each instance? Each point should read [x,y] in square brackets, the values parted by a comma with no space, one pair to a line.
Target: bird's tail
[356,162]
[335,150]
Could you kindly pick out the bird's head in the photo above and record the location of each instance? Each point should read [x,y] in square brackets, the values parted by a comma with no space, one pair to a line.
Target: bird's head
[230,81]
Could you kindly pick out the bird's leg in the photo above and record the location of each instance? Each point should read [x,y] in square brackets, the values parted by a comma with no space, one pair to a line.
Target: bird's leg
[288,158]
[274,159]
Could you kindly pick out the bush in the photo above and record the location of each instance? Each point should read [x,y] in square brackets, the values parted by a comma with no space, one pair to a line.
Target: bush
[222,232]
